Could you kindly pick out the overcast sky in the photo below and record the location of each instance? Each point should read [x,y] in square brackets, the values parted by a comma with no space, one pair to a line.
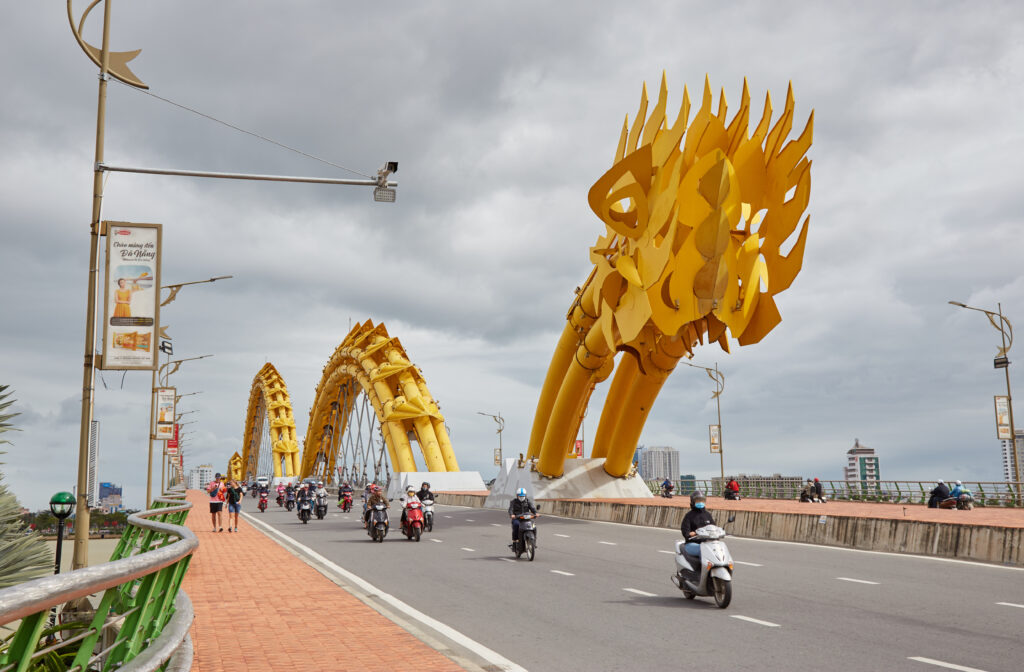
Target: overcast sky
[501,116]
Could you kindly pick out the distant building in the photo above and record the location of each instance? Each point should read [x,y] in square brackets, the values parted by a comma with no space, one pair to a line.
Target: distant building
[775,486]
[861,467]
[110,498]
[1009,473]
[658,463]
[687,484]
[637,456]
[200,476]
[92,478]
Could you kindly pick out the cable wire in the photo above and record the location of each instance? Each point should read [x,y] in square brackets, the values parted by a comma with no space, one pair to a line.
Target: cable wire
[242,130]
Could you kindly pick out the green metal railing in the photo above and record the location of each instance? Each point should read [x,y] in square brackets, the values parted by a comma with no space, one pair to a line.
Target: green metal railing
[142,619]
[986,493]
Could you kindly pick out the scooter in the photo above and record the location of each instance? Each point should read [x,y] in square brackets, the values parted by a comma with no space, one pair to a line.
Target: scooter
[527,542]
[965,502]
[263,502]
[713,576]
[289,501]
[378,525]
[666,491]
[412,525]
[321,506]
[305,510]
[346,502]
[280,499]
[428,514]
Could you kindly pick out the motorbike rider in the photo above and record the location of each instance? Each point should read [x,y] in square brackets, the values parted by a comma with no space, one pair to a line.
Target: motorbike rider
[376,497]
[666,486]
[819,491]
[939,493]
[408,498]
[519,505]
[695,518]
[958,489]
[320,491]
[424,492]
[732,489]
[344,489]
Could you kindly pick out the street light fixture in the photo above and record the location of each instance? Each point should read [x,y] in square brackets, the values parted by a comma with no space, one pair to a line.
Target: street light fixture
[501,426]
[1001,361]
[719,378]
[61,506]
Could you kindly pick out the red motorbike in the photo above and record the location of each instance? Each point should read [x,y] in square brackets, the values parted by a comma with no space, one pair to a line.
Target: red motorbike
[263,501]
[346,502]
[412,525]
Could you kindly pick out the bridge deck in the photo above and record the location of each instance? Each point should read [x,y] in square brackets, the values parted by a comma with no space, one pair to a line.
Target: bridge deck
[259,607]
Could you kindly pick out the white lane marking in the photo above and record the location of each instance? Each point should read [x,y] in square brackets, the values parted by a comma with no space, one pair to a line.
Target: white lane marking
[608,543]
[870,583]
[749,564]
[1011,604]
[438,541]
[639,592]
[369,589]
[948,666]
[563,536]
[471,550]
[470,520]
[447,516]
[558,571]
[755,620]
[669,552]
[497,525]
[507,559]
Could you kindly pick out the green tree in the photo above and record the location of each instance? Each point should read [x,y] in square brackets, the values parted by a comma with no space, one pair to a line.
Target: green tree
[22,556]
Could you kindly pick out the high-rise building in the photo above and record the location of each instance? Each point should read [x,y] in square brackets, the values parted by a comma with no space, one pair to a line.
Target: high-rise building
[861,467]
[1009,472]
[658,463]
[200,476]
[92,479]
[110,498]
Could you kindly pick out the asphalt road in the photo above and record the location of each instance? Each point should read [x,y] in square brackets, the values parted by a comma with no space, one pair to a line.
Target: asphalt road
[598,597]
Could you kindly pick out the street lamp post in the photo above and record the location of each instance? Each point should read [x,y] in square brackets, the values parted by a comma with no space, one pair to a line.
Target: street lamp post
[719,378]
[152,399]
[501,426]
[1002,362]
[61,506]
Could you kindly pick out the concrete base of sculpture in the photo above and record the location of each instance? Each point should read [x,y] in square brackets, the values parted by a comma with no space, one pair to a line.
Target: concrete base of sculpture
[583,478]
[440,481]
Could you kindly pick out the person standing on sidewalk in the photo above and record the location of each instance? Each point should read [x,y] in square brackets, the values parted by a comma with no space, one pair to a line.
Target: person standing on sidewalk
[234,495]
[216,491]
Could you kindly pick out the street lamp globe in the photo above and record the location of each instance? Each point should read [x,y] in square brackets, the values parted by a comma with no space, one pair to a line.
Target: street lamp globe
[62,504]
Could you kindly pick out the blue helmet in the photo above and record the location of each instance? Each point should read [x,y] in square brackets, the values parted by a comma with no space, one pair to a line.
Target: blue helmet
[521,493]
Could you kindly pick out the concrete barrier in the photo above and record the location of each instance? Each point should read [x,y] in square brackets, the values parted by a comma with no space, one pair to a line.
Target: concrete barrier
[981,543]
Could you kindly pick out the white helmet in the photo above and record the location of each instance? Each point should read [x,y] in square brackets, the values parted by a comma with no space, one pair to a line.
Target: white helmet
[521,493]
[941,481]
[959,483]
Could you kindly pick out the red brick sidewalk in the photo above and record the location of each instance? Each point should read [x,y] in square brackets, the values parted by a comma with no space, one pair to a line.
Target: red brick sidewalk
[258,607]
[991,516]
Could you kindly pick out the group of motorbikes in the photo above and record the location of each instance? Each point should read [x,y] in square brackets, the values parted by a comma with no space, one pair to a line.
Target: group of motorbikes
[418,518]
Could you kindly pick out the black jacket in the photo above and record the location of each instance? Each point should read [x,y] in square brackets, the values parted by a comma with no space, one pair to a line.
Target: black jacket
[425,494]
[694,519]
[941,491]
[515,507]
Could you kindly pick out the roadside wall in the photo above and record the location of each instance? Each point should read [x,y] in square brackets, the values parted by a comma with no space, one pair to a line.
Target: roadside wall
[998,545]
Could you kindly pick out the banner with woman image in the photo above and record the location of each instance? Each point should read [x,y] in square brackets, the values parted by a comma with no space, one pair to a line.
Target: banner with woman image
[131,307]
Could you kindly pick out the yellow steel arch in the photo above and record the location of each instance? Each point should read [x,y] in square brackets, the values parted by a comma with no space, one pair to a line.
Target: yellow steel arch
[696,216]
[372,361]
[269,401]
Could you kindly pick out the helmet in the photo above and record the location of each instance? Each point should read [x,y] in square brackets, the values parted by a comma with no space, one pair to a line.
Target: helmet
[941,481]
[425,486]
[697,498]
[320,484]
[521,493]
[815,480]
[374,487]
[959,483]
[410,491]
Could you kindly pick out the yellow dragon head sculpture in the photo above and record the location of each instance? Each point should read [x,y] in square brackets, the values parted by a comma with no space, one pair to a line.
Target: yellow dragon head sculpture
[696,215]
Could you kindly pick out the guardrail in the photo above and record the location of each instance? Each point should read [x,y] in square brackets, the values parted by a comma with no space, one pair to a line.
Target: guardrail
[142,620]
[986,493]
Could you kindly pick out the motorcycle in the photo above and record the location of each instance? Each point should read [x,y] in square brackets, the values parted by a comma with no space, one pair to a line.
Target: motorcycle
[280,499]
[412,525]
[263,502]
[965,502]
[733,495]
[378,525]
[253,492]
[428,514]
[666,491]
[527,542]
[713,574]
[346,502]
[305,508]
[321,506]
[289,501]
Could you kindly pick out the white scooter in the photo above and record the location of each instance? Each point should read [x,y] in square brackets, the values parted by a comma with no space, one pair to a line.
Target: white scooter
[428,514]
[714,574]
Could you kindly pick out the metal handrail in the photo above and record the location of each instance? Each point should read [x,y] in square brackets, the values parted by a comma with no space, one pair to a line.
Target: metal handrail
[140,586]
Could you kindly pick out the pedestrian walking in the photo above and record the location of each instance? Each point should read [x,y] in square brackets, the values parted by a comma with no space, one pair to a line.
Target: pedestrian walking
[234,496]
[216,491]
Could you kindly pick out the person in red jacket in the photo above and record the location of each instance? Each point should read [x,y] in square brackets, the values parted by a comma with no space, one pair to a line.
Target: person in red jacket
[732,489]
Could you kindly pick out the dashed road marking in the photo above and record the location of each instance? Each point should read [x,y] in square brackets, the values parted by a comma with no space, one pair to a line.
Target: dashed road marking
[669,552]
[749,564]
[507,559]
[608,543]
[470,520]
[563,536]
[558,571]
[1011,604]
[471,550]
[639,592]
[497,525]
[438,541]
[755,620]
[447,516]
[940,663]
[870,583]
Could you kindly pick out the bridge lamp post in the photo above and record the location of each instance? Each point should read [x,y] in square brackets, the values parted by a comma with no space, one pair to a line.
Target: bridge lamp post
[61,506]
[152,397]
[1005,329]
[501,426]
[719,378]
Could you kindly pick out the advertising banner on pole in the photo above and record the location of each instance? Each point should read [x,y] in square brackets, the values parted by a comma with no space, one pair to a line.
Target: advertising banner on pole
[1002,417]
[164,413]
[497,456]
[131,304]
[715,432]
[173,441]
[577,449]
